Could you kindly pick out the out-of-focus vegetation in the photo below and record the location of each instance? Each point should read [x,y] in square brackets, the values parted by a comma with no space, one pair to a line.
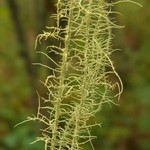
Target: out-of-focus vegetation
[124,127]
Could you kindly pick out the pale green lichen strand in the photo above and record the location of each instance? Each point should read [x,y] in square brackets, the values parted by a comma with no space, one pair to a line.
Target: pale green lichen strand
[79,84]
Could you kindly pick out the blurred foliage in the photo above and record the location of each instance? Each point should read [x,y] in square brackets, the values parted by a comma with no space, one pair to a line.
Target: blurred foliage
[124,127]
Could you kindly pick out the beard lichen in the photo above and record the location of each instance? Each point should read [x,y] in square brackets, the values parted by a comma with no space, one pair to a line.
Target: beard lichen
[78,84]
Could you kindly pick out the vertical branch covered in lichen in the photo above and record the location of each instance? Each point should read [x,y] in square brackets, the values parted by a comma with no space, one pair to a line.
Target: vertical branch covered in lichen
[79,84]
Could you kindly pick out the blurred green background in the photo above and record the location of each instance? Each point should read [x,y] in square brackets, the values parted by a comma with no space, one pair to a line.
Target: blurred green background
[124,127]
